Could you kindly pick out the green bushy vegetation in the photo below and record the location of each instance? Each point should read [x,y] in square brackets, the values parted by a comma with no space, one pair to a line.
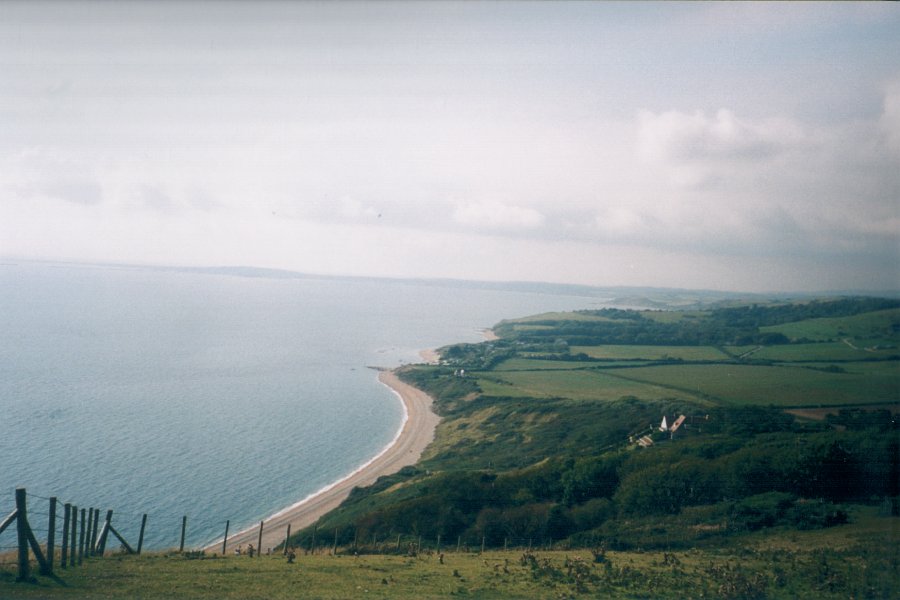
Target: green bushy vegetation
[851,561]
[538,435]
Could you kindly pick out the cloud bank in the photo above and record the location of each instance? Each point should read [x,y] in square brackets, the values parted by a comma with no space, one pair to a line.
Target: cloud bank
[491,141]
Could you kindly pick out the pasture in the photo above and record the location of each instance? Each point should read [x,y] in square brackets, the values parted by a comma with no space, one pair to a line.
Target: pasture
[855,560]
[580,384]
[788,386]
[876,325]
[632,352]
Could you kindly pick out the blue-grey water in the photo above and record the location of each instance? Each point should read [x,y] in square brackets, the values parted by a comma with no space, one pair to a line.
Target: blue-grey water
[212,396]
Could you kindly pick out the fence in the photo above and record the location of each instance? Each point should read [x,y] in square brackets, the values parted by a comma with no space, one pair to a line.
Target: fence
[412,544]
[82,535]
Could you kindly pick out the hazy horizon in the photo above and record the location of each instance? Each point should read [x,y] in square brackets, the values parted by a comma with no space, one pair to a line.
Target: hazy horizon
[747,147]
[509,284]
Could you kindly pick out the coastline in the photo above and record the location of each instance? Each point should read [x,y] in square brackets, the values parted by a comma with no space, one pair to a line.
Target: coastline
[416,432]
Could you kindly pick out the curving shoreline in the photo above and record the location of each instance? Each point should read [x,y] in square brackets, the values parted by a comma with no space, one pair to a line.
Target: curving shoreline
[412,439]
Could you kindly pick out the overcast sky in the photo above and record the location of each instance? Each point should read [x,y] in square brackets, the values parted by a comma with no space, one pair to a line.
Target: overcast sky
[747,146]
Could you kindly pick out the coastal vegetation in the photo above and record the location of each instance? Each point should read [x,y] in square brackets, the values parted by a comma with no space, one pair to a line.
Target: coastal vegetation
[557,469]
[837,562]
[551,433]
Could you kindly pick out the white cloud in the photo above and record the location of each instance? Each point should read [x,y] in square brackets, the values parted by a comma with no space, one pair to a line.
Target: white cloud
[677,137]
[890,117]
[354,210]
[241,142]
[41,175]
[495,215]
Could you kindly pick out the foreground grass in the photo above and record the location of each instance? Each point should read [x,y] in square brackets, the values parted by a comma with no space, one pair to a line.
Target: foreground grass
[858,560]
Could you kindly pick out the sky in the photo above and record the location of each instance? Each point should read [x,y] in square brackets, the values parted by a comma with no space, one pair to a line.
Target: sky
[726,146]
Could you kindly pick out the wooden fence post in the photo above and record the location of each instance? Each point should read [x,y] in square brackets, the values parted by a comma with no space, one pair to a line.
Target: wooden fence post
[93,522]
[121,539]
[398,542]
[482,544]
[90,539]
[259,542]
[458,542]
[64,557]
[26,538]
[141,536]
[287,540]
[183,529]
[73,534]
[51,535]
[225,539]
[315,534]
[81,542]
[439,544]
[22,530]
[104,533]
[334,548]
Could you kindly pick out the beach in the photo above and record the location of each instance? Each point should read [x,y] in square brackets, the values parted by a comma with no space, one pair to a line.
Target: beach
[417,432]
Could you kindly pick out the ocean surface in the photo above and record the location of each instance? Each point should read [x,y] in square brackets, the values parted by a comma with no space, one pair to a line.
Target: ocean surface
[213,395]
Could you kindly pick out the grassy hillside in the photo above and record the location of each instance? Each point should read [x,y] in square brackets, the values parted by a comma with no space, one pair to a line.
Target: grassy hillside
[540,428]
[857,560]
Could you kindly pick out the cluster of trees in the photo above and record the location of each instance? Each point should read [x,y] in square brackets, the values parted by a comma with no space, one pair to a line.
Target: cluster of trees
[752,469]
[640,330]
[778,314]
[723,326]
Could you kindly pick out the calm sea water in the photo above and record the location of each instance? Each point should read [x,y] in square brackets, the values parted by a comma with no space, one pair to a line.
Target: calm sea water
[213,396]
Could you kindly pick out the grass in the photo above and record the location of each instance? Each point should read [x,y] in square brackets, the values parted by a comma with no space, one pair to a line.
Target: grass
[774,385]
[855,560]
[871,325]
[822,351]
[625,352]
[573,384]
[529,364]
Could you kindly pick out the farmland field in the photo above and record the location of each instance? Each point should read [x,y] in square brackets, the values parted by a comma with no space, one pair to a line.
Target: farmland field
[525,364]
[575,385]
[629,352]
[873,325]
[773,385]
[821,351]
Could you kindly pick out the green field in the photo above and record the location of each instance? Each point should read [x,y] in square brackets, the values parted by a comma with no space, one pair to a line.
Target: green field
[775,385]
[822,351]
[531,364]
[631,352]
[867,326]
[574,385]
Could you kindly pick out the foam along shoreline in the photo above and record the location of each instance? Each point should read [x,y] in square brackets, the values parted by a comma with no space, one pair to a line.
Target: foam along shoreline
[414,435]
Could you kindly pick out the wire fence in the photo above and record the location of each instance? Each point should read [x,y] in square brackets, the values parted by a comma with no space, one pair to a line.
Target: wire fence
[70,533]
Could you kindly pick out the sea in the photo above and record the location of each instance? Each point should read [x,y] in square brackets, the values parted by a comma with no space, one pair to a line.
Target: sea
[219,395]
